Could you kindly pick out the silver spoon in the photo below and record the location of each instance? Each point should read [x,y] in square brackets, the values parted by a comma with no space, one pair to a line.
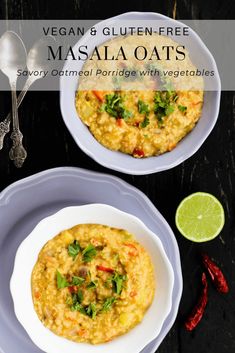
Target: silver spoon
[36,61]
[13,58]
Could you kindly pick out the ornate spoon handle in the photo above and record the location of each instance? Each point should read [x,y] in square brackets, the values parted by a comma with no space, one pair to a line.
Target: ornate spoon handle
[4,129]
[5,124]
[17,152]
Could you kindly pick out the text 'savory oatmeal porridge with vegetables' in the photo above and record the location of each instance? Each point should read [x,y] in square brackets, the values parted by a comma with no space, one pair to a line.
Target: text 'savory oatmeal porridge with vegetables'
[92,283]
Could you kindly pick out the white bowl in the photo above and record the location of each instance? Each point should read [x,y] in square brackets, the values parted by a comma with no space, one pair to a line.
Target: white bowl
[123,162]
[26,258]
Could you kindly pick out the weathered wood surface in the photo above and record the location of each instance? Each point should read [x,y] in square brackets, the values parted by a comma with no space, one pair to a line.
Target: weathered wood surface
[211,169]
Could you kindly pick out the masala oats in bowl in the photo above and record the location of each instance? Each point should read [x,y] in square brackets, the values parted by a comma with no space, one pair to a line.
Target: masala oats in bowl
[113,125]
[142,112]
[92,278]
[92,283]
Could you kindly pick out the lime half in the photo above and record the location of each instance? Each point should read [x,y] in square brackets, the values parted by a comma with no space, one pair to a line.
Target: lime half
[200,217]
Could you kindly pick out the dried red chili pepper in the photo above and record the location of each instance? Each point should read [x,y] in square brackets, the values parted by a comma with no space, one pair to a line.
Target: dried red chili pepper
[198,311]
[216,274]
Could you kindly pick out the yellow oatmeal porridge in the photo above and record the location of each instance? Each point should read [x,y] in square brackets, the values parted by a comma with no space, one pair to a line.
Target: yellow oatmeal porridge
[92,283]
[139,122]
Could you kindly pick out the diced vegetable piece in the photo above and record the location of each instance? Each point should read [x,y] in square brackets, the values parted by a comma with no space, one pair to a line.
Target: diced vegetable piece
[99,95]
[138,152]
[104,269]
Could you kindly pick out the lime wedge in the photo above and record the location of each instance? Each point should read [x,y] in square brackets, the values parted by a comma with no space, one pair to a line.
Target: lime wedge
[200,217]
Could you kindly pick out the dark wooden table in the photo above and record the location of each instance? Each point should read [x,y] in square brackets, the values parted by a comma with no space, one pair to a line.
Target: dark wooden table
[211,169]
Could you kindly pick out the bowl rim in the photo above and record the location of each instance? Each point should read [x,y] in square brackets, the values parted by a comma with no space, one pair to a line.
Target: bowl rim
[19,309]
[165,165]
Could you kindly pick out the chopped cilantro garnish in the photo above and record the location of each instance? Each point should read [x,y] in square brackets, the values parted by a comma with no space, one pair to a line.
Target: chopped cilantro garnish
[74,298]
[79,296]
[63,283]
[77,281]
[118,282]
[108,303]
[73,249]
[169,109]
[182,108]
[91,285]
[145,122]
[78,307]
[114,106]
[126,114]
[108,282]
[175,98]
[143,108]
[163,106]
[88,253]
[61,280]
[77,299]
[91,310]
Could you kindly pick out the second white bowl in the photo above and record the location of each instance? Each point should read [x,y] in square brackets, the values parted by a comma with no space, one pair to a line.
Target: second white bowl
[26,258]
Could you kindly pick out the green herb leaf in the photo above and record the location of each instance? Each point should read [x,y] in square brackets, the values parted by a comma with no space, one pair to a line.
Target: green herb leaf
[143,108]
[118,282]
[175,98]
[77,281]
[91,310]
[91,285]
[108,282]
[114,106]
[61,280]
[108,303]
[78,307]
[163,106]
[74,298]
[89,253]
[126,114]
[145,122]
[79,296]
[73,249]
[182,108]
[77,299]
[169,109]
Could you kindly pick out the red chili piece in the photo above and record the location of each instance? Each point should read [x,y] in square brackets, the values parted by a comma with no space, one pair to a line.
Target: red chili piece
[119,122]
[73,289]
[216,274]
[104,269]
[197,313]
[138,152]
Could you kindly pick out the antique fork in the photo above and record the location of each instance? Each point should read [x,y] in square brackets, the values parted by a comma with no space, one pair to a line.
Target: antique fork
[13,58]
